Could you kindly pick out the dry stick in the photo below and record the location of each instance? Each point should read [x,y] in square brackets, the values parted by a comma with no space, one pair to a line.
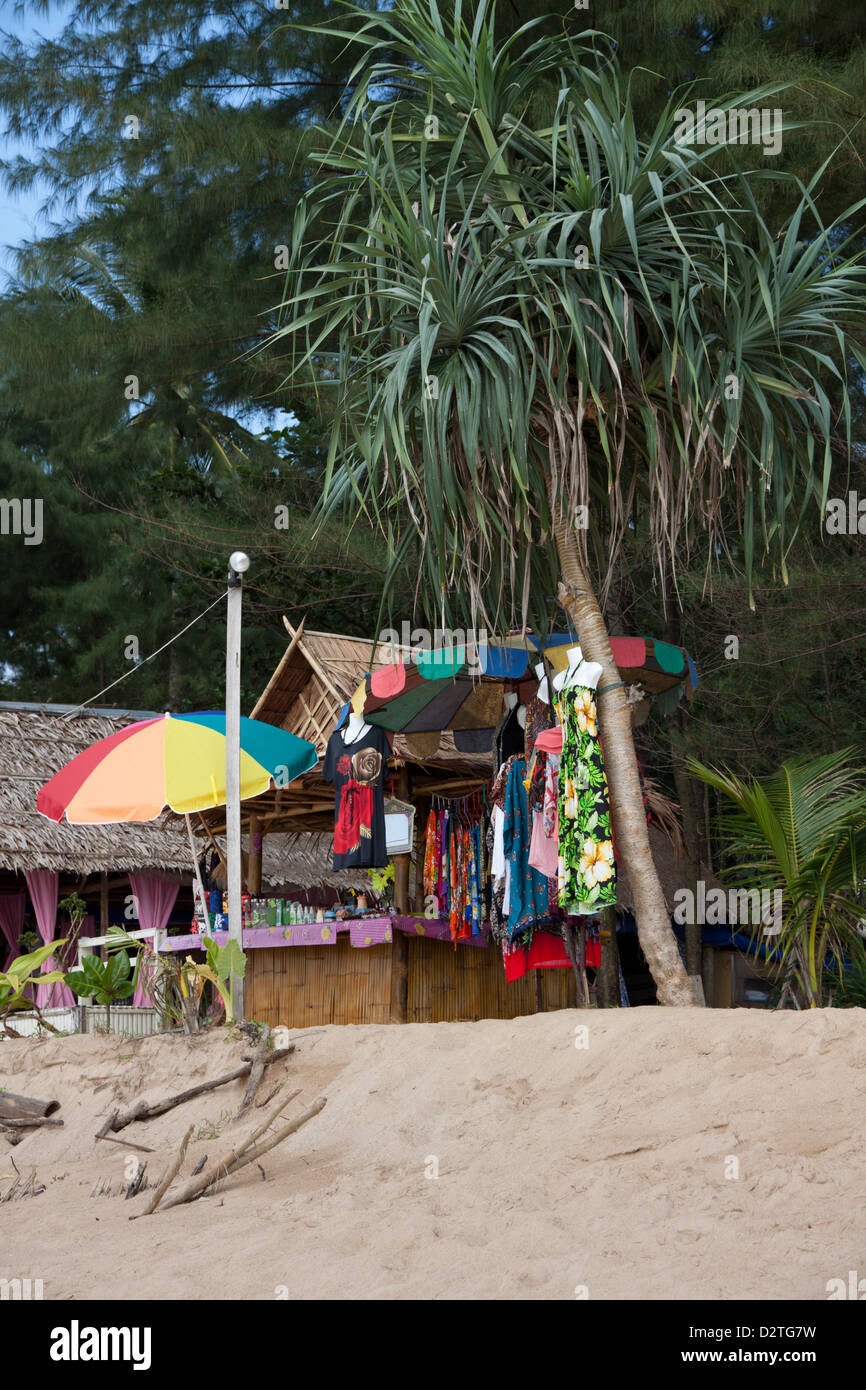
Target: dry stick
[32,1122]
[256,1073]
[168,1179]
[218,1169]
[250,1155]
[242,1157]
[266,1124]
[142,1110]
[127,1143]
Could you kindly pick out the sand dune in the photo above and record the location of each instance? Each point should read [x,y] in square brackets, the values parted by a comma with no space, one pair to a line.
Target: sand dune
[607,1170]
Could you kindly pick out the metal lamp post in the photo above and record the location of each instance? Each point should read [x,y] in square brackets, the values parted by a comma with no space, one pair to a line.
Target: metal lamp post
[239,563]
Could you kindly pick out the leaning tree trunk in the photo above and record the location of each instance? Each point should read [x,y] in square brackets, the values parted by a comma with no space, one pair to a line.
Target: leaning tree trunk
[655,934]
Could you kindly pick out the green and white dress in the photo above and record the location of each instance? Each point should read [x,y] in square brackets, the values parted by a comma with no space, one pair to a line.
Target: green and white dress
[587,874]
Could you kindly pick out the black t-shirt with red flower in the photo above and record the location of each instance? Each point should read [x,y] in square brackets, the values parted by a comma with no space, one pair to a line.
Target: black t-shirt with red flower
[357,770]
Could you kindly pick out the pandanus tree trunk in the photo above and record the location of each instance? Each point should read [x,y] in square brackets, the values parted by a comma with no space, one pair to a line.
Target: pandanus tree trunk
[655,933]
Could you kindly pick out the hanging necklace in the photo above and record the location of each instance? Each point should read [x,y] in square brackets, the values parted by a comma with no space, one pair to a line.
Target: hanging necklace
[350,743]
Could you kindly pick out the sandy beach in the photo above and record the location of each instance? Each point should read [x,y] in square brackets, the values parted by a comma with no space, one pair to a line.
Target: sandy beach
[669,1155]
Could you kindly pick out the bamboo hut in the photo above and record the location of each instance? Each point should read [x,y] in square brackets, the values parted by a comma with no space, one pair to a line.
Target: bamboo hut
[409,977]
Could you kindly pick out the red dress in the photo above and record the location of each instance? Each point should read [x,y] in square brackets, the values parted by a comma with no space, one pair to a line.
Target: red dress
[545,951]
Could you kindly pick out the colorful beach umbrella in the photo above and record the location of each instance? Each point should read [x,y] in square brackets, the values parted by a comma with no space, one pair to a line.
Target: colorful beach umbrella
[438,691]
[176,761]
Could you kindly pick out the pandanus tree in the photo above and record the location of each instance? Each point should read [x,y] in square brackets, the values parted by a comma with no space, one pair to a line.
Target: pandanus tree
[535,326]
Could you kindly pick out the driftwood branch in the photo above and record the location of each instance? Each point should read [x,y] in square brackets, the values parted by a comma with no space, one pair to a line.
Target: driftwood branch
[127,1143]
[243,1153]
[277,1056]
[107,1125]
[6,1122]
[257,1071]
[14,1107]
[169,1177]
[250,1155]
[148,1110]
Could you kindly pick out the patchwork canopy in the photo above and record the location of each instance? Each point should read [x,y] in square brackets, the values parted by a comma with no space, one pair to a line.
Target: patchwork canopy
[440,690]
[177,761]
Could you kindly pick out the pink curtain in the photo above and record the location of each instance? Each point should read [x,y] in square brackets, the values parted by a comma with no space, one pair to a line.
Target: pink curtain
[42,887]
[155,898]
[12,907]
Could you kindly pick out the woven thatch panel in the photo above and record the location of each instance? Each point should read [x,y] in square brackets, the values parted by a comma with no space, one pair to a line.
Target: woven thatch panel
[317,674]
[33,746]
[304,859]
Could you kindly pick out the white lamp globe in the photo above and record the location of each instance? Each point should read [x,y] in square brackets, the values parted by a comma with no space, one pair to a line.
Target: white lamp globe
[239,562]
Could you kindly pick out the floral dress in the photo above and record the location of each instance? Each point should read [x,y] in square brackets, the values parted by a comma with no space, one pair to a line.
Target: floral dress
[587,876]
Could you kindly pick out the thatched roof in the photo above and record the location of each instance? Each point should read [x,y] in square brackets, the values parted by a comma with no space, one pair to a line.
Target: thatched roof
[298,859]
[303,858]
[319,672]
[35,742]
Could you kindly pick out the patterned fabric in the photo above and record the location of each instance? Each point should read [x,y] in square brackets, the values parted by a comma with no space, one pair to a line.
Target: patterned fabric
[455,883]
[500,783]
[550,802]
[457,867]
[431,855]
[529,902]
[539,716]
[498,923]
[534,783]
[587,876]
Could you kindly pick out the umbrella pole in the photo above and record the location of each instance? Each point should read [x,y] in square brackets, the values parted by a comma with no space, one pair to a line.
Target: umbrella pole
[195,868]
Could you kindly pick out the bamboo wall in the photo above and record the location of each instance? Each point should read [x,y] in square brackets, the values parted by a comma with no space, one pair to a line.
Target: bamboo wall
[306,986]
[470,983]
